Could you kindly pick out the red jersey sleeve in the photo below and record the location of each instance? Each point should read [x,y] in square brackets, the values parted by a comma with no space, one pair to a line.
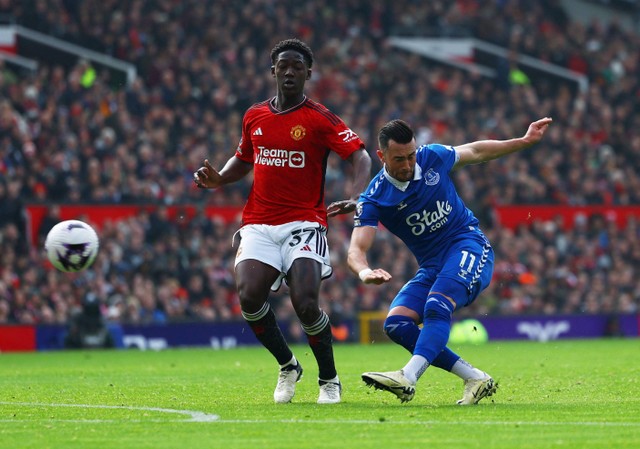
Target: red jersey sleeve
[338,136]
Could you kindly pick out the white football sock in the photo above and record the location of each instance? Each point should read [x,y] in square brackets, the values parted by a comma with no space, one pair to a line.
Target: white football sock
[415,368]
[465,370]
[335,380]
[292,362]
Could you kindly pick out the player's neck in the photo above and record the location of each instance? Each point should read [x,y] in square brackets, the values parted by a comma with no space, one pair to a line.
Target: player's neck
[283,104]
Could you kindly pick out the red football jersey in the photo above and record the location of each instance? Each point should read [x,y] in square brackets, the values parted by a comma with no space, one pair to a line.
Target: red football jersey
[289,152]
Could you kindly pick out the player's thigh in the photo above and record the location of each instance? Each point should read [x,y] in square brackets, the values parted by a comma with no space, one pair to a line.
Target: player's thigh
[303,279]
[412,297]
[258,263]
[466,272]
[253,281]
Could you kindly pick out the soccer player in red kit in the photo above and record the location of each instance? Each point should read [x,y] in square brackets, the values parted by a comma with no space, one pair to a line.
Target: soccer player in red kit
[286,141]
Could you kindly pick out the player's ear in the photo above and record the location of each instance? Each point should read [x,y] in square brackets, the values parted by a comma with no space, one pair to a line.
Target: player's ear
[273,70]
[380,154]
[309,71]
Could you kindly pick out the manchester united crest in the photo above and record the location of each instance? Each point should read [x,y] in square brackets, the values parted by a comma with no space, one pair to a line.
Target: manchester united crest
[298,132]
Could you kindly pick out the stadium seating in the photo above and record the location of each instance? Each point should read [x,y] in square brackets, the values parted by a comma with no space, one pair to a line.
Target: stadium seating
[66,138]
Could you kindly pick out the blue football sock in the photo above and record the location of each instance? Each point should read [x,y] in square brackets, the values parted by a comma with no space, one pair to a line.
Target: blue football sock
[446,359]
[402,330]
[437,326]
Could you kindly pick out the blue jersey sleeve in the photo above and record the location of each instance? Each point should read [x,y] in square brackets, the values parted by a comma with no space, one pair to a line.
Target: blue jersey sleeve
[367,213]
[446,154]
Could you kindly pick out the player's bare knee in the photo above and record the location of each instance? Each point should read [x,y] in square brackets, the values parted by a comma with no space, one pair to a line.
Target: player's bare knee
[307,311]
[251,300]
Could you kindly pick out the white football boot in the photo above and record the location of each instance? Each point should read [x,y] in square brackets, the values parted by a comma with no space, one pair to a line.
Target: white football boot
[392,381]
[286,387]
[329,392]
[476,389]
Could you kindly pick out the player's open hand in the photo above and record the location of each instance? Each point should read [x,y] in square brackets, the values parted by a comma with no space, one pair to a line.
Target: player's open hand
[537,129]
[341,207]
[207,177]
[377,277]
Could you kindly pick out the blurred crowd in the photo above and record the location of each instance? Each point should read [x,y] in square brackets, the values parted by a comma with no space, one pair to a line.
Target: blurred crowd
[82,135]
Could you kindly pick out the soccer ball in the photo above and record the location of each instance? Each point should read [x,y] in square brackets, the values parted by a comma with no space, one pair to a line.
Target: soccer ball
[72,245]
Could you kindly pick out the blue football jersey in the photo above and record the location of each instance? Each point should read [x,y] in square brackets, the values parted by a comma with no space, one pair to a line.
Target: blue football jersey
[426,213]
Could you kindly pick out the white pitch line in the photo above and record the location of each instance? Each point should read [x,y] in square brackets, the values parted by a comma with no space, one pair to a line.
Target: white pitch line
[195,416]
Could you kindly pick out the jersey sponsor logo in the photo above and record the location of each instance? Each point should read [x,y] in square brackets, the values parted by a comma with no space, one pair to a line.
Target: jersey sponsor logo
[257,132]
[279,158]
[298,132]
[348,135]
[296,159]
[430,220]
[431,178]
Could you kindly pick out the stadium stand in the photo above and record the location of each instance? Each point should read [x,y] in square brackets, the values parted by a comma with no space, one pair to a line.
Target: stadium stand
[75,134]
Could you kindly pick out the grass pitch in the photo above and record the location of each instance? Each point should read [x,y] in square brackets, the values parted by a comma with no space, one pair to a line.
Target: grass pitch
[565,394]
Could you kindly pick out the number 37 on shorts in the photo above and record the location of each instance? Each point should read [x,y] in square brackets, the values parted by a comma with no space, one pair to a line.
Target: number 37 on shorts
[280,245]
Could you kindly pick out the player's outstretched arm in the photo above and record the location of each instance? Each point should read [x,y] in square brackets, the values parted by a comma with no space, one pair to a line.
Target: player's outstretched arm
[361,240]
[361,162]
[207,177]
[486,150]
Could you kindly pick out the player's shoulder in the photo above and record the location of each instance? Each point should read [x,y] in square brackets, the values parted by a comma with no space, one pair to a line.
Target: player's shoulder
[426,149]
[322,111]
[378,188]
[256,112]
[433,151]
[381,192]
[258,107]
[436,148]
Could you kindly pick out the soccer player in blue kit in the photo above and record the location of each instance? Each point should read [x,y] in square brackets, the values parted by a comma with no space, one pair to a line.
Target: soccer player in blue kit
[414,197]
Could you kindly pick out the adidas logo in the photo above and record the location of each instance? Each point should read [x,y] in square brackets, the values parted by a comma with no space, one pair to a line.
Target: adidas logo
[257,132]
[305,248]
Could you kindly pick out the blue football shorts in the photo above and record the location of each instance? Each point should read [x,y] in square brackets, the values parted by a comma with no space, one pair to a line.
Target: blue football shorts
[463,270]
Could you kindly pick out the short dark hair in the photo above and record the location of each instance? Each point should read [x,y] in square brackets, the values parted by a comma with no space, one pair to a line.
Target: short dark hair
[397,130]
[293,44]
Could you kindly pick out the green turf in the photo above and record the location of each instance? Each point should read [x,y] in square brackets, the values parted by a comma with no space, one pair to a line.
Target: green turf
[569,394]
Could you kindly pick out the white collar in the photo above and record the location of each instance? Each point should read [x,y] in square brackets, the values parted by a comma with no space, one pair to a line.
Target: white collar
[402,185]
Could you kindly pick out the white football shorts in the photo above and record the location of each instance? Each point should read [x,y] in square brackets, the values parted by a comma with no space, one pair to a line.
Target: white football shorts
[280,245]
